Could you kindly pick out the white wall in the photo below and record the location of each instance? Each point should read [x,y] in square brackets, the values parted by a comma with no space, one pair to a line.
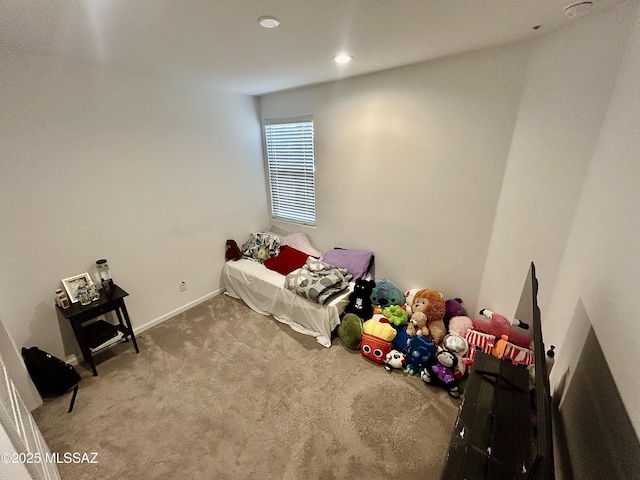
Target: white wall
[409,163]
[152,175]
[599,273]
[11,357]
[461,171]
[456,172]
[569,81]
[570,195]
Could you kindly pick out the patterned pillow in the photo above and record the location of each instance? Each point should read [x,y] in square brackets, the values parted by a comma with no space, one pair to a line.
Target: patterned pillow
[261,246]
[301,242]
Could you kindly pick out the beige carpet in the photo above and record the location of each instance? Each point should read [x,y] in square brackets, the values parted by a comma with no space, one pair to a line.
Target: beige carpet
[220,392]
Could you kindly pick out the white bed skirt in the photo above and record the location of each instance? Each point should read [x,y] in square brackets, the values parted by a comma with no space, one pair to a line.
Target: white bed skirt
[264,292]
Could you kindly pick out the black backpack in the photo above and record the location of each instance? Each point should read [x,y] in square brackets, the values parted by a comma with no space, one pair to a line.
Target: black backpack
[51,376]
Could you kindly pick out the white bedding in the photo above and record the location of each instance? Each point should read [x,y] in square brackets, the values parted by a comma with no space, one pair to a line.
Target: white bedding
[263,291]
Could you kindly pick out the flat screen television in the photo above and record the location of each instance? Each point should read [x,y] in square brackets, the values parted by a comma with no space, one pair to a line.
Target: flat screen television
[541,439]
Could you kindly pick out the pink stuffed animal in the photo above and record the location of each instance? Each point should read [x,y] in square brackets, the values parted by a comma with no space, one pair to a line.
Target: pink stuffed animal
[499,325]
[460,325]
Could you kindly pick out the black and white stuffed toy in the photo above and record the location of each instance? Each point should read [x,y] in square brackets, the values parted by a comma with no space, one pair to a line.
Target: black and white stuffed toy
[360,299]
[440,371]
[395,359]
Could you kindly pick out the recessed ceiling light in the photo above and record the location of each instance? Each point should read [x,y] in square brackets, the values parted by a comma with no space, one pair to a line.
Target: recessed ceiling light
[574,9]
[268,22]
[342,58]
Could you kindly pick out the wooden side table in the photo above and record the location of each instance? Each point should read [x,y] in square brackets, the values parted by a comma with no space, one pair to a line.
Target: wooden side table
[78,314]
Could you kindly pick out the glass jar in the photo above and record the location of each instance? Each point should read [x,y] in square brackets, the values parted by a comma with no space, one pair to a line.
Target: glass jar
[103,271]
[83,294]
[94,295]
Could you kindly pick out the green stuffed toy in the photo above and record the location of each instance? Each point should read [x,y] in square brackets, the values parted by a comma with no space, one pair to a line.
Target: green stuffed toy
[386,293]
[350,331]
[396,315]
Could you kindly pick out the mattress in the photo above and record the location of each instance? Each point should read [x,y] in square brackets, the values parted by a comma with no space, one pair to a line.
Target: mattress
[264,292]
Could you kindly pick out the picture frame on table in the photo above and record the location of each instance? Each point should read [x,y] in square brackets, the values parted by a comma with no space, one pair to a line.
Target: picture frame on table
[71,285]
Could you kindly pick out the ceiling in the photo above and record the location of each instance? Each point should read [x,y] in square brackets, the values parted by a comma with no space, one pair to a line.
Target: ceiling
[220,42]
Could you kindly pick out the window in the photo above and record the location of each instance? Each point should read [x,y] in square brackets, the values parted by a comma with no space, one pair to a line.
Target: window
[291,170]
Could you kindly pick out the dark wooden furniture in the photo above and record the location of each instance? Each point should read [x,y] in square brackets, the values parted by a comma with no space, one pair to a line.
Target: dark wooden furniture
[79,314]
[492,435]
[503,430]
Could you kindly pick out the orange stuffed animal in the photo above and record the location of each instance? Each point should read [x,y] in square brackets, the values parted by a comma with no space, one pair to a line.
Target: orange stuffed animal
[431,304]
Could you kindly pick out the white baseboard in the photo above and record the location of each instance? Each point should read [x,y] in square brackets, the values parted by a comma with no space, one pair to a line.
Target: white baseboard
[177,311]
[73,359]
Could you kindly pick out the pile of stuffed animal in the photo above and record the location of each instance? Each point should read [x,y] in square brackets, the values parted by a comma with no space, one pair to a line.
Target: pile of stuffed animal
[420,333]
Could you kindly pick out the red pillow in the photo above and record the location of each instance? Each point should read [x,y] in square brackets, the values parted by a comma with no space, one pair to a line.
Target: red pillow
[288,260]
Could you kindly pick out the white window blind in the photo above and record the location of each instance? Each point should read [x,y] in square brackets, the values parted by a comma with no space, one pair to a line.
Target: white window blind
[291,170]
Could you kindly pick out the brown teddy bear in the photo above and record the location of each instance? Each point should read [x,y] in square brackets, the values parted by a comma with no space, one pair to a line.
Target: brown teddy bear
[232,251]
[418,325]
[430,305]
